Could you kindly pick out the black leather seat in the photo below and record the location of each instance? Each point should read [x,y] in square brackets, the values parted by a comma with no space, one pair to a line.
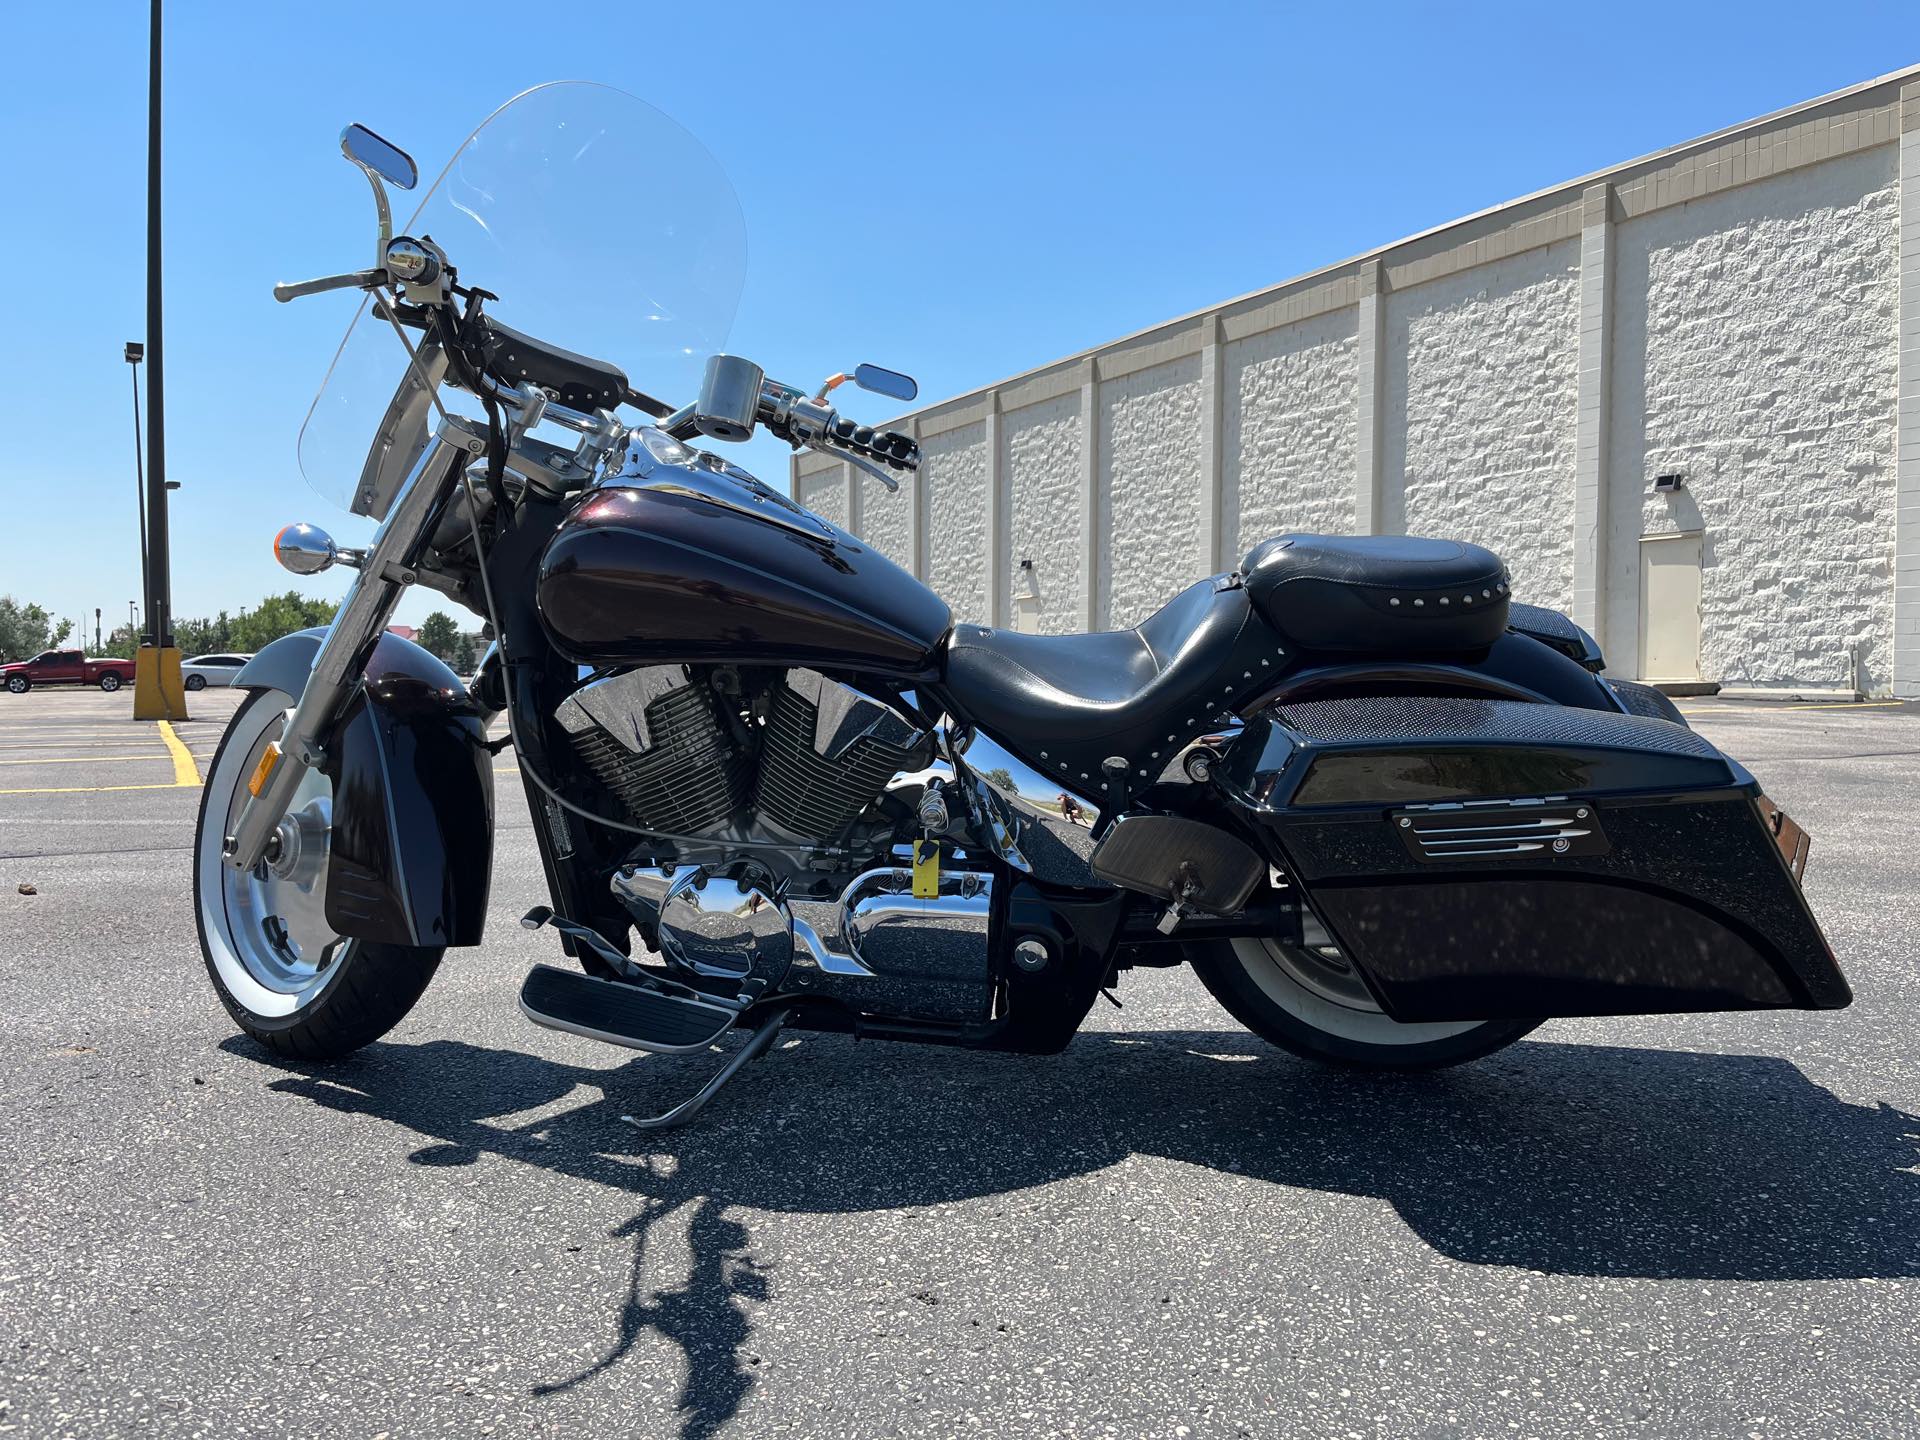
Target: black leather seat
[1379,593]
[1068,703]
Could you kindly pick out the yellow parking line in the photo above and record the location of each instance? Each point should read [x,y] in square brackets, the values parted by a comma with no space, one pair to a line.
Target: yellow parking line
[90,789]
[185,772]
[82,759]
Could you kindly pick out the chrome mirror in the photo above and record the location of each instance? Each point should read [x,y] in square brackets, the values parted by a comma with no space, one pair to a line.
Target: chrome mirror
[379,157]
[890,383]
[305,549]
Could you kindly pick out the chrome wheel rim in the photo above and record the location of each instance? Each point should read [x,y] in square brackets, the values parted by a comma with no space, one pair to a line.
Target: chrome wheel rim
[267,928]
[1317,986]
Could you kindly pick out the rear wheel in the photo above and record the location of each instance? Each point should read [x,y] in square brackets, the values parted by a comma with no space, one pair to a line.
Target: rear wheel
[196,682]
[1309,1000]
[109,682]
[284,974]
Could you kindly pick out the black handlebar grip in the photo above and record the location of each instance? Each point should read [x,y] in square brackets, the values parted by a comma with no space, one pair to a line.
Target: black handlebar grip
[888,446]
[897,450]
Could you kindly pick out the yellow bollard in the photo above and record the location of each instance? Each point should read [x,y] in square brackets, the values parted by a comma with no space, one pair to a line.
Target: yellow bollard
[158,691]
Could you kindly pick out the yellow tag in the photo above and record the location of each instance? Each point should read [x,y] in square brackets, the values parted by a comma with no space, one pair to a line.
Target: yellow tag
[926,870]
[264,768]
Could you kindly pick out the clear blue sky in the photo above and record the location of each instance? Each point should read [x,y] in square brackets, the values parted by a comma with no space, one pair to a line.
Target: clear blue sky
[1007,184]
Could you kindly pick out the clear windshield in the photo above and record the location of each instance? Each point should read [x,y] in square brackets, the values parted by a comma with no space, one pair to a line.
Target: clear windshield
[603,227]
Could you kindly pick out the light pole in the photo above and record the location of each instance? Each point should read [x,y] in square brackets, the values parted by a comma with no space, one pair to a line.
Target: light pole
[159,581]
[136,352]
[97,646]
[157,689]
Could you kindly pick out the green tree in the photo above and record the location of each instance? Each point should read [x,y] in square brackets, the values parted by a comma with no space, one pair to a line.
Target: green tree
[122,641]
[439,636]
[201,637]
[275,616]
[27,629]
[466,653]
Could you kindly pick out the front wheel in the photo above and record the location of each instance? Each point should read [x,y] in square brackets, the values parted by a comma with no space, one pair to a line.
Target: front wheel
[285,975]
[196,682]
[110,682]
[19,684]
[1309,1000]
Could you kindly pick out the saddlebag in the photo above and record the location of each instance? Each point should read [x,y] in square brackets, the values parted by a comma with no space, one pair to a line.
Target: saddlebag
[1495,859]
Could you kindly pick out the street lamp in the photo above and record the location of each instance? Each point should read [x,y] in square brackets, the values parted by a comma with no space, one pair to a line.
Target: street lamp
[136,352]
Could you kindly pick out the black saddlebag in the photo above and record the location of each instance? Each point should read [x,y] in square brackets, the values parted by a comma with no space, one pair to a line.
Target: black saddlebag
[1493,859]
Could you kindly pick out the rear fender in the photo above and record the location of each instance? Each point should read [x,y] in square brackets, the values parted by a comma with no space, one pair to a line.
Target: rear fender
[412,844]
[1517,666]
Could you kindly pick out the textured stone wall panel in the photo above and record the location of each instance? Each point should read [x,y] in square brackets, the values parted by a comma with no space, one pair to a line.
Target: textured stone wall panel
[1040,457]
[1756,351]
[953,468]
[1150,434]
[1481,408]
[1288,441]
[886,518]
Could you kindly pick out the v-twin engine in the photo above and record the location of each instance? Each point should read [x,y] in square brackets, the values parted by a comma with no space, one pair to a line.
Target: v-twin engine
[729,754]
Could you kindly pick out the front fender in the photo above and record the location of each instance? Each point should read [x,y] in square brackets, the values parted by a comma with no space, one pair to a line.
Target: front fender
[284,664]
[411,853]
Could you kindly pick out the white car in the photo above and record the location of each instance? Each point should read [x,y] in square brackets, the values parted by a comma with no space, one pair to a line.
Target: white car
[204,670]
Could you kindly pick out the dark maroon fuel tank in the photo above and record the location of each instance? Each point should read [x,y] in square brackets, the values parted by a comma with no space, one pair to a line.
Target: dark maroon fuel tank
[673,559]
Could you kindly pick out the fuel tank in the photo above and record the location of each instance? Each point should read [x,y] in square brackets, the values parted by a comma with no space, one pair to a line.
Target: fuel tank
[681,556]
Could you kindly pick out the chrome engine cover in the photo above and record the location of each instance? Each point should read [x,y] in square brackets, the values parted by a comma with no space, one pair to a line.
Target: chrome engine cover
[926,958]
[725,923]
[877,949]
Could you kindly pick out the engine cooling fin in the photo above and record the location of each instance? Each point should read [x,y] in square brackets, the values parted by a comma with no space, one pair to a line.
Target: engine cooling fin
[674,769]
[813,793]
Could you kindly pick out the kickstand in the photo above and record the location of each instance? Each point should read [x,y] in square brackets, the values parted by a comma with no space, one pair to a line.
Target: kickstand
[755,1047]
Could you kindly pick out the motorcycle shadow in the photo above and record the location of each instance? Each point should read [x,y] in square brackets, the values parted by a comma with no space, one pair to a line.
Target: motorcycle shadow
[1564,1158]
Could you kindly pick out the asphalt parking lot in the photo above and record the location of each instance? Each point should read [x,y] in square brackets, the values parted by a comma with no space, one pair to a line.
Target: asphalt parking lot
[1702,1225]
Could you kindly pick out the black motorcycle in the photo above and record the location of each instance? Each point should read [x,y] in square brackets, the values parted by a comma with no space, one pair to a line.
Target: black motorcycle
[1392,817]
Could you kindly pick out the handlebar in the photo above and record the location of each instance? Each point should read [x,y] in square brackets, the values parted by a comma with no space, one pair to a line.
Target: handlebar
[358,280]
[736,396]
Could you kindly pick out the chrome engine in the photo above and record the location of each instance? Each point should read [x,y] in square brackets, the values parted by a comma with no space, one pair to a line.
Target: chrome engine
[786,803]
[790,758]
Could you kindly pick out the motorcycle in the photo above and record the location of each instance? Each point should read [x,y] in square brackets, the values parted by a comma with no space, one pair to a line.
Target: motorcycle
[1391,816]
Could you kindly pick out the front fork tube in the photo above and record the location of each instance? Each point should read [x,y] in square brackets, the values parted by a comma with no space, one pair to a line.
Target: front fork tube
[384,576]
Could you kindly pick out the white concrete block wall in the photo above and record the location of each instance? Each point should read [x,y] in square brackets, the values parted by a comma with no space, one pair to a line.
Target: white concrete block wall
[1289,445]
[1040,461]
[1150,437]
[1906,581]
[1756,352]
[954,473]
[1732,308]
[886,520]
[1482,404]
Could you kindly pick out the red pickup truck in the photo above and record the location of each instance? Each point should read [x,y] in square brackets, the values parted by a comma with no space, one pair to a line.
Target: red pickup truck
[65,667]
